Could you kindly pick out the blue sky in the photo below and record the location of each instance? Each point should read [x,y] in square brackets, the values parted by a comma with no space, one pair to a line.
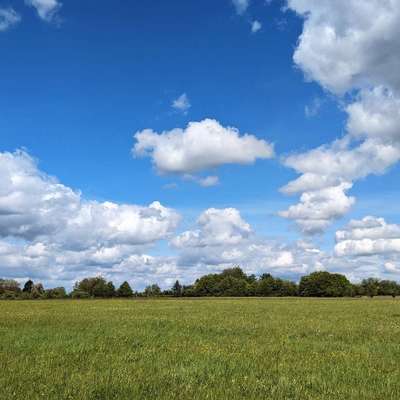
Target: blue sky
[80,79]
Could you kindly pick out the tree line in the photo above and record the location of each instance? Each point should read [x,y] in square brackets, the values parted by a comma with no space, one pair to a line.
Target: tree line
[232,282]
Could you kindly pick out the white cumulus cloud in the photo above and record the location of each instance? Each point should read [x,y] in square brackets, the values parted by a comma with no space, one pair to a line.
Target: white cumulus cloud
[348,46]
[216,227]
[47,230]
[369,236]
[36,206]
[200,146]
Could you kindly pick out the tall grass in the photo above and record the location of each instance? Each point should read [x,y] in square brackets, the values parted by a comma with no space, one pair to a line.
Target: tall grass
[200,349]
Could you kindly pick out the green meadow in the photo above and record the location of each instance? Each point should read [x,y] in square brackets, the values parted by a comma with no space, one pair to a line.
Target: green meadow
[246,348]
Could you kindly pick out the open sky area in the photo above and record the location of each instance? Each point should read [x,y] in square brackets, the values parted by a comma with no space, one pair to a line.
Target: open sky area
[158,140]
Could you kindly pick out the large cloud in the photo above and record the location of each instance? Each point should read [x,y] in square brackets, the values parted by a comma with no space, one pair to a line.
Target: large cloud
[369,236]
[368,247]
[317,208]
[48,230]
[222,238]
[216,227]
[375,115]
[328,172]
[200,146]
[347,46]
[34,206]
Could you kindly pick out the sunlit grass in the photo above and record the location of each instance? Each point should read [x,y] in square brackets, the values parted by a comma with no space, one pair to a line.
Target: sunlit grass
[200,349]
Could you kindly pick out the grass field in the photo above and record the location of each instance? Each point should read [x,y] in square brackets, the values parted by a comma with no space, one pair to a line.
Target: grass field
[200,349]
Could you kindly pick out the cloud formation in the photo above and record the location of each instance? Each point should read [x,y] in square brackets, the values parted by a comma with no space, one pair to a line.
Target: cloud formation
[49,227]
[347,46]
[8,18]
[216,227]
[46,9]
[35,206]
[255,26]
[182,103]
[222,238]
[369,236]
[200,146]
[49,232]
[241,6]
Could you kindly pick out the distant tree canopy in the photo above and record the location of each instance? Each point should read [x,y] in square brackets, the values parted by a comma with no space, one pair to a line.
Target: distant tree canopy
[37,291]
[324,284]
[9,289]
[234,282]
[177,289]
[370,287]
[56,293]
[231,282]
[93,287]
[389,288]
[9,284]
[267,285]
[152,291]
[125,290]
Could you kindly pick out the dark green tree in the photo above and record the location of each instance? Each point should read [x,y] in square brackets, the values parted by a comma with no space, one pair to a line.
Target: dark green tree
[207,285]
[232,286]
[152,291]
[80,294]
[389,288]
[55,293]
[265,285]
[28,286]
[188,291]
[125,290]
[177,289]
[370,287]
[110,290]
[324,284]
[95,287]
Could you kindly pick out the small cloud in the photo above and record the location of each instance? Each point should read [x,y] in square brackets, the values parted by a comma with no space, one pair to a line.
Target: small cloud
[311,110]
[46,9]
[255,26]
[241,6]
[208,181]
[182,103]
[391,268]
[8,18]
